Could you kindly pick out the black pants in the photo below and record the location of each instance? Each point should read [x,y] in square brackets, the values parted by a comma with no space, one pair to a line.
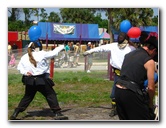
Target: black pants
[47,91]
[130,105]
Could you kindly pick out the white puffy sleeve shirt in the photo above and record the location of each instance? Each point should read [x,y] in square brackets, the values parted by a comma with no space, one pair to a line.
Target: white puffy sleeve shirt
[117,55]
[41,57]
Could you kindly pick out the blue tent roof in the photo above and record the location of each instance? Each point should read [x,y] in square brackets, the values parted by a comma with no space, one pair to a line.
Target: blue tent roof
[147,29]
[69,31]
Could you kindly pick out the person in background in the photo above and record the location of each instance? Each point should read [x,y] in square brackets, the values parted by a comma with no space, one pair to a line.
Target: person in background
[132,102]
[71,45]
[118,50]
[90,57]
[67,51]
[14,46]
[35,76]
[12,62]
[77,50]
[14,49]
[71,55]
[9,51]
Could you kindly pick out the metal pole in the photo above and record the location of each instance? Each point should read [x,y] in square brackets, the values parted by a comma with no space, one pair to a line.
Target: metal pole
[108,65]
[52,68]
[85,65]
[110,73]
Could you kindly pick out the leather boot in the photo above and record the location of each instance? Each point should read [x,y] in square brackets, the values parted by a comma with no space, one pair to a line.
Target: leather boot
[113,111]
[14,115]
[60,116]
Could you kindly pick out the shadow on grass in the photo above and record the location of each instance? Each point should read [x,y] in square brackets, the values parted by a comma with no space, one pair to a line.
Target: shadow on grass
[43,113]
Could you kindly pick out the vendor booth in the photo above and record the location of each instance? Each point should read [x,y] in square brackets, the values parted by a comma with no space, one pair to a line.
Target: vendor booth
[69,31]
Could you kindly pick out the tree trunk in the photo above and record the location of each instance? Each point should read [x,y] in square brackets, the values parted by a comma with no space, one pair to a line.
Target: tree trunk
[110,25]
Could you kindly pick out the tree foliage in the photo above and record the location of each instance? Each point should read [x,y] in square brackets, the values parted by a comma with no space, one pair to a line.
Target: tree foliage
[43,15]
[54,17]
[137,17]
[14,14]
[77,15]
[102,23]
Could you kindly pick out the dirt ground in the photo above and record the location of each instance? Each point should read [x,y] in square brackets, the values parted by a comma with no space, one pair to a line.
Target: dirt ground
[90,114]
[73,113]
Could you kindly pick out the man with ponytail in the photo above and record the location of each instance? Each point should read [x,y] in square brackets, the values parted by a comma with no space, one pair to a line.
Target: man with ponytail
[132,102]
[35,70]
[118,50]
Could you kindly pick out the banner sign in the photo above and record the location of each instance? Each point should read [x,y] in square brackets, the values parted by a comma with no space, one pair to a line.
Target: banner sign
[63,29]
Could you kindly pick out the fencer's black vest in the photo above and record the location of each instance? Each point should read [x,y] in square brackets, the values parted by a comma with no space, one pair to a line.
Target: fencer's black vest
[133,66]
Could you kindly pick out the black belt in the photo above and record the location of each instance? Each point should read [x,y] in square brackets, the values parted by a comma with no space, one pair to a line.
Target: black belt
[130,85]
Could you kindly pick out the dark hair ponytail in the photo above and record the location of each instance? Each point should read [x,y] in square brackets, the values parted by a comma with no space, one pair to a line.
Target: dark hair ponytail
[31,58]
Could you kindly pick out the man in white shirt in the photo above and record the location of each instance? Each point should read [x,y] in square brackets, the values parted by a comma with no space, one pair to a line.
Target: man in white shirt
[34,68]
[118,50]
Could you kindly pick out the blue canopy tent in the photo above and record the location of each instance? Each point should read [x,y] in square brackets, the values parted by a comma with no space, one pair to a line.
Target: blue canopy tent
[69,31]
[131,39]
[147,29]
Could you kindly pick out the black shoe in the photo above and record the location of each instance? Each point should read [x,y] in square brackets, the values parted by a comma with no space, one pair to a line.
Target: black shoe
[60,116]
[113,113]
[13,118]
[14,115]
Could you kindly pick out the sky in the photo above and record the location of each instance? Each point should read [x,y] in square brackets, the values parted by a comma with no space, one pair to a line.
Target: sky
[48,10]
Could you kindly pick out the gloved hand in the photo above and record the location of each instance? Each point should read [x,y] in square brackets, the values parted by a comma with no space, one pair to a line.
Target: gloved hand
[87,53]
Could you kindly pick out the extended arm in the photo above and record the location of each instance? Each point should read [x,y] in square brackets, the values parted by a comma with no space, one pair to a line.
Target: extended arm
[103,48]
[54,52]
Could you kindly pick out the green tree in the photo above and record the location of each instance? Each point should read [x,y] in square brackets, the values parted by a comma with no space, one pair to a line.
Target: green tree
[14,14]
[36,12]
[136,16]
[40,14]
[28,12]
[17,25]
[77,15]
[102,23]
[155,21]
[54,17]
[43,15]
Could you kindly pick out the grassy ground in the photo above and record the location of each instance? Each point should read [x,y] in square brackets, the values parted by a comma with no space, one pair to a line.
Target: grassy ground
[73,88]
